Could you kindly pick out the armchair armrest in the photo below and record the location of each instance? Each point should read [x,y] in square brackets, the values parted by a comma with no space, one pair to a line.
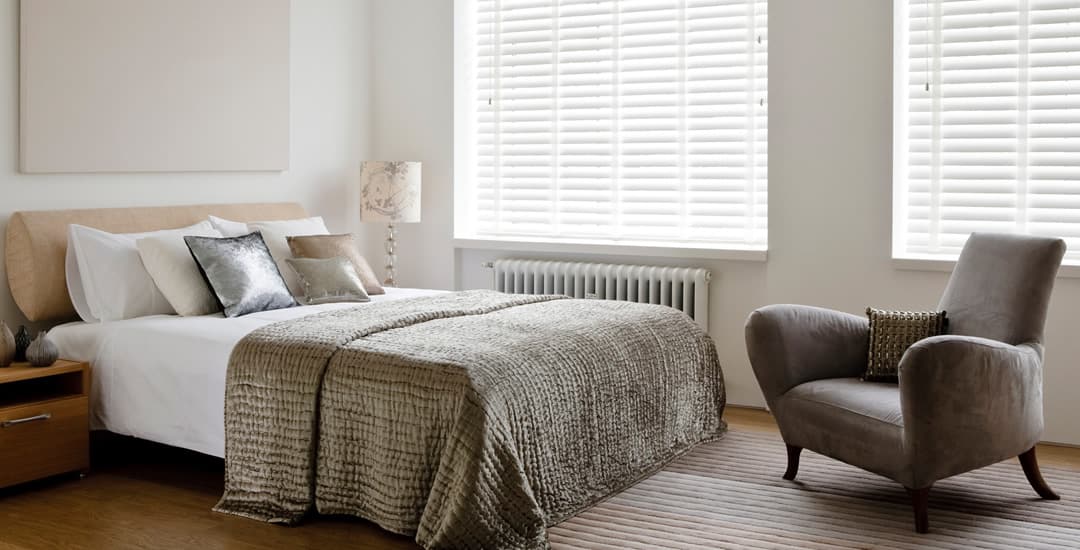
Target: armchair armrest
[968,402]
[792,344]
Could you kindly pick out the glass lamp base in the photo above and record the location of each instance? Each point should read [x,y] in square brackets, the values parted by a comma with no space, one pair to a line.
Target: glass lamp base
[391,256]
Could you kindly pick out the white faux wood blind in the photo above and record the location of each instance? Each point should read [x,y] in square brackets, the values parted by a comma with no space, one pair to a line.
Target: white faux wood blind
[992,123]
[628,121]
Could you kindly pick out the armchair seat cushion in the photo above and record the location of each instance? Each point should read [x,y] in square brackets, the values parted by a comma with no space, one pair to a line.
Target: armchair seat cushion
[847,419]
[875,400]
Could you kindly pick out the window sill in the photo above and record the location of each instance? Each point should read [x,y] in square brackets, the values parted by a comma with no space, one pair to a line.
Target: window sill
[1067,271]
[675,251]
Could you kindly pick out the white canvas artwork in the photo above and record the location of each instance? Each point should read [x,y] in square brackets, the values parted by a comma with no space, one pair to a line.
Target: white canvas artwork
[154,85]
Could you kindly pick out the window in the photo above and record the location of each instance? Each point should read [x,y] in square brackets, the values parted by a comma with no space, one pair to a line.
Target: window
[987,122]
[633,122]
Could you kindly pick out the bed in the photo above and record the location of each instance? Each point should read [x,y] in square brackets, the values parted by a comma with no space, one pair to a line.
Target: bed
[162,378]
[465,419]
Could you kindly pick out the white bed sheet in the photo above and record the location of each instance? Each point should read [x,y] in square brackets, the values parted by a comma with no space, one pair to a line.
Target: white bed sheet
[162,378]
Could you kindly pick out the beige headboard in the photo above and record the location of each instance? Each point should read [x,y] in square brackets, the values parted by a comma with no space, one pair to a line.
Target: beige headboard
[37,244]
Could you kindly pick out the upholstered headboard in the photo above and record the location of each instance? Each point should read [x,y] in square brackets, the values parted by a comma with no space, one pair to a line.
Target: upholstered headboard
[37,244]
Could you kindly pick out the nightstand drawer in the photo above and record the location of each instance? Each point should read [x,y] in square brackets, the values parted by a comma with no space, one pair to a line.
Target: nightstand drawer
[43,439]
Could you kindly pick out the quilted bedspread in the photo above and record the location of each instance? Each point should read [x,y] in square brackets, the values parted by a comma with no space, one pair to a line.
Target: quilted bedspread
[469,420]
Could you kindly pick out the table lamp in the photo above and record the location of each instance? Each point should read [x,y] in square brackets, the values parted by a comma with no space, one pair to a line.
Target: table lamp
[390,193]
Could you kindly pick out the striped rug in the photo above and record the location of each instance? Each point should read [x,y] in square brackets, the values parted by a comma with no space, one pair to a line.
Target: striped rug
[729,494]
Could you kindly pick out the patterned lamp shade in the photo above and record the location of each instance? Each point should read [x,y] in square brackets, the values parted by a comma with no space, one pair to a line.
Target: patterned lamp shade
[390,191]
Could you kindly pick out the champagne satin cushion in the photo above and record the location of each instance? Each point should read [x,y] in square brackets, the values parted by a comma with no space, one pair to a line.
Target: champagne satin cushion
[328,280]
[242,273]
[332,246]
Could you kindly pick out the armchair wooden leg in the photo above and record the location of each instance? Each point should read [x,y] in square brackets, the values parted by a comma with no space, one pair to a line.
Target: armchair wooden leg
[919,503]
[792,462]
[1034,476]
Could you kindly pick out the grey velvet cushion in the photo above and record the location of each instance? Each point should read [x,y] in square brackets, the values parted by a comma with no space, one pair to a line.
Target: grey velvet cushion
[326,280]
[891,334]
[242,273]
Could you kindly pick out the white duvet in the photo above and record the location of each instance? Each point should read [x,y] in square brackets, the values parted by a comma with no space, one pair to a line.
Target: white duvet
[162,377]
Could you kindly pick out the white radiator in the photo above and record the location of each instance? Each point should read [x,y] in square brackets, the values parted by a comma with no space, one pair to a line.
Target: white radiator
[683,288]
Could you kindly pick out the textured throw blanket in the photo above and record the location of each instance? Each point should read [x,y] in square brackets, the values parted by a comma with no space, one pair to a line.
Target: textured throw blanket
[471,419]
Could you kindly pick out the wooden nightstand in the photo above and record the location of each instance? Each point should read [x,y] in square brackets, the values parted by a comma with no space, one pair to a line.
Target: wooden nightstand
[44,421]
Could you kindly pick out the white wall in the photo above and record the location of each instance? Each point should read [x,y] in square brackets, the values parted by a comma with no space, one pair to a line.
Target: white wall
[412,119]
[330,65]
[829,193]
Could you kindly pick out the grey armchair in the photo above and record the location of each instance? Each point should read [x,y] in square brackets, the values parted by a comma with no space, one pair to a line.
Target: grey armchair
[965,400]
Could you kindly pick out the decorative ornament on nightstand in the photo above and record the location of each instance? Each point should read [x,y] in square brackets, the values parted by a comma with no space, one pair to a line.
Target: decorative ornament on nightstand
[390,192]
[42,351]
[22,341]
[7,345]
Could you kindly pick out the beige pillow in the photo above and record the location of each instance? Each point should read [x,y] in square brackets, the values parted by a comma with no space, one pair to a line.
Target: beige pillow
[331,246]
[274,233]
[169,262]
[892,333]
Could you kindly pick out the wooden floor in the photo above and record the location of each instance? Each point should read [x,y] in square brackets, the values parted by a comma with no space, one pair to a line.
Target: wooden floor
[140,495]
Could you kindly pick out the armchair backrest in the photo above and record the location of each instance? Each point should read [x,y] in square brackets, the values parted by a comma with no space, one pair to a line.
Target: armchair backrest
[1000,288]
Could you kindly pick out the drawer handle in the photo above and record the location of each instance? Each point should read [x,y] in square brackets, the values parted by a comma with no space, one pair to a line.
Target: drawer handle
[16,422]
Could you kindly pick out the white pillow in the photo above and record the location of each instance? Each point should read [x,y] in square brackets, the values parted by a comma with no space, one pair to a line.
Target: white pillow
[75,286]
[170,264]
[229,228]
[106,277]
[274,233]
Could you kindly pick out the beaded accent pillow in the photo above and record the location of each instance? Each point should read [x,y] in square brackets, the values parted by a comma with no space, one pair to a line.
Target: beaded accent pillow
[892,333]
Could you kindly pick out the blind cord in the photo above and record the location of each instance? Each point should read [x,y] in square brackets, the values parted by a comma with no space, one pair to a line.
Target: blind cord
[491,66]
[927,45]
